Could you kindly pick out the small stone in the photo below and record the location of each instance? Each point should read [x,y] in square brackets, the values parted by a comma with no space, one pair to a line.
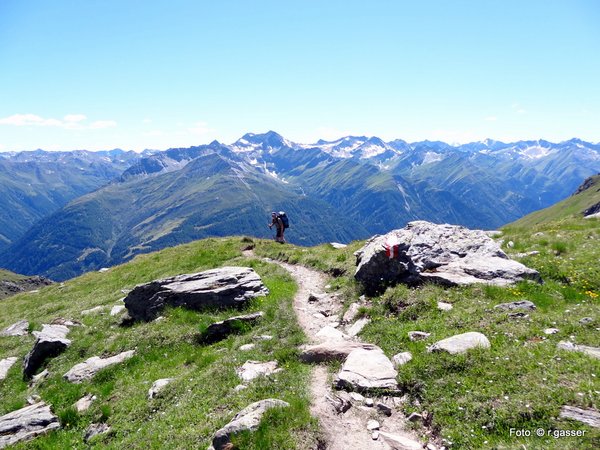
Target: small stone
[369,402]
[94,430]
[418,335]
[586,320]
[158,386]
[240,387]
[401,358]
[443,306]
[87,312]
[254,369]
[84,403]
[263,337]
[521,304]
[103,269]
[551,330]
[383,408]
[357,397]
[358,326]
[372,425]
[415,417]
[375,435]
[247,347]
[117,309]
[20,328]
[461,343]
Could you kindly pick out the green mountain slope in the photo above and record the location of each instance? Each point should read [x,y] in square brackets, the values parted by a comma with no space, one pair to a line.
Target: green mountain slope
[586,197]
[210,196]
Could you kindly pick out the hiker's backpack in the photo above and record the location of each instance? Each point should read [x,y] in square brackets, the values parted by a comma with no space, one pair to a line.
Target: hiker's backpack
[284,219]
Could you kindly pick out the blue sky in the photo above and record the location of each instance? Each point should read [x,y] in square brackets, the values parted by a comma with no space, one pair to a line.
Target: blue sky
[157,74]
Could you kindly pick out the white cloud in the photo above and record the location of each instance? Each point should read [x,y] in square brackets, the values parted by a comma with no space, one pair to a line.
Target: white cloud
[200,128]
[69,122]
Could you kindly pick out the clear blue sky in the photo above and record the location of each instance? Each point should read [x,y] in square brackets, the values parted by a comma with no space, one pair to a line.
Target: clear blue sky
[156,74]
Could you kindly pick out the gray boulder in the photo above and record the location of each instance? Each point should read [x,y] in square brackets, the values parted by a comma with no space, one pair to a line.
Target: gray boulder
[158,386]
[367,370]
[20,328]
[94,430]
[448,254]
[26,423]
[590,417]
[254,369]
[50,342]
[87,369]
[594,352]
[461,343]
[521,304]
[248,419]
[220,330]
[5,365]
[224,287]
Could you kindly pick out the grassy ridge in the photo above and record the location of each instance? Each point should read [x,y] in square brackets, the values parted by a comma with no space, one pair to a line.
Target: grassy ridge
[202,398]
[523,380]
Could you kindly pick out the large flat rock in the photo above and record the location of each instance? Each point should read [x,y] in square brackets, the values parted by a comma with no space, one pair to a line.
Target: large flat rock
[26,423]
[367,370]
[90,367]
[447,254]
[49,342]
[20,328]
[224,287]
[461,343]
[248,419]
[590,417]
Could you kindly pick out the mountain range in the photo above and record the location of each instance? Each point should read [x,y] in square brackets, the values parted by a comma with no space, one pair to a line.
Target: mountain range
[71,212]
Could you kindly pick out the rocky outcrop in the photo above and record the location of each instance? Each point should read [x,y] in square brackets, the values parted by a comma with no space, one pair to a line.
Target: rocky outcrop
[224,287]
[27,423]
[50,342]
[220,330]
[594,352]
[367,370]
[20,328]
[94,430]
[331,351]
[87,369]
[461,343]
[248,419]
[22,284]
[5,365]
[447,254]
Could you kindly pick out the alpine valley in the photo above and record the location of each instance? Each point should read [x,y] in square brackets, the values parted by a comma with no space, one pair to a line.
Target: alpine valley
[65,213]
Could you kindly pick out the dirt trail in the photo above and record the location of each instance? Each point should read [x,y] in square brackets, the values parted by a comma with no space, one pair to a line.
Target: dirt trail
[348,430]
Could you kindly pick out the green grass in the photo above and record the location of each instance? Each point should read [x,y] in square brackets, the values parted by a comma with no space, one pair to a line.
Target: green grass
[523,380]
[202,398]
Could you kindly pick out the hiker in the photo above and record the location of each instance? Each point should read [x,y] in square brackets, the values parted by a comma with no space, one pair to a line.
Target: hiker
[276,220]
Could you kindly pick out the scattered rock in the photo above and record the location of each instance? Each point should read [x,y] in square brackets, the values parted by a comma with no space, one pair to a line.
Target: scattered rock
[66,322]
[84,403]
[20,328]
[338,245]
[460,343]
[384,409]
[594,352]
[340,404]
[253,369]
[367,370]
[521,304]
[263,337]
[220,330]
[94,310]
[332,351]
[401,358]
[94,430]
[158,386]
[351,313]
[224,287]
[357,397]
[247,347]
[37,379]
[448,254]
[375,435]
[399,442]
[26,423]
[50,342]
[551,330]
[240,387]
[418,335]
[590,417]
[358,326]
[443,306]
[5,365]
[248,419]
[316,298]
[372,425]
[369,402]
[586,320]
[103,269]
[117,309]
[518,315]
[87,369]
[415,417]
[328,333]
